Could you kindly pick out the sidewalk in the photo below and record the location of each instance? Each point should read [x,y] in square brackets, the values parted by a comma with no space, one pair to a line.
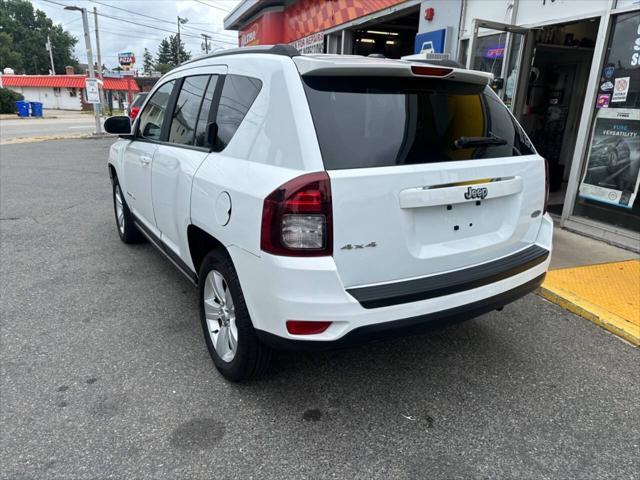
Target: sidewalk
[47,113]
[597,281]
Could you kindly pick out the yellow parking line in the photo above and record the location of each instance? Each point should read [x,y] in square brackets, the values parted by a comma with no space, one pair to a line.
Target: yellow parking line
[607,294]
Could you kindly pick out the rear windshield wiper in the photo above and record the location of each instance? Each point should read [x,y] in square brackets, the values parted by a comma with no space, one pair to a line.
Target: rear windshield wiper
[469,142]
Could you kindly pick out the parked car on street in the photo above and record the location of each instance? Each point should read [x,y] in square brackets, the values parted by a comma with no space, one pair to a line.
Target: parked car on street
[134,108]
[320,200]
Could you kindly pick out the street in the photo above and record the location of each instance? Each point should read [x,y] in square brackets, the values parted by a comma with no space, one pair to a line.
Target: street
[71,124]
[105,372]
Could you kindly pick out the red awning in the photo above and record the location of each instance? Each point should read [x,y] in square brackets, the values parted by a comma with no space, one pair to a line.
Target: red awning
[65,81]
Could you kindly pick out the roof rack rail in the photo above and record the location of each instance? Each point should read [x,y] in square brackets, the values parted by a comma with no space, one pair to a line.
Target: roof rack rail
[278,49]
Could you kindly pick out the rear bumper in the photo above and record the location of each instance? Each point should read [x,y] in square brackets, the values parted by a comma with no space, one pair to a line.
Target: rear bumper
[278,289]
[405,326]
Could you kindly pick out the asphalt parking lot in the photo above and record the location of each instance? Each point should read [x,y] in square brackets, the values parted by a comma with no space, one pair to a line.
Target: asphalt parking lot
[105,373]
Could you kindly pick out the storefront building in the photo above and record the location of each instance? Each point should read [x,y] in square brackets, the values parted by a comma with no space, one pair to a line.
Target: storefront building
[568,69]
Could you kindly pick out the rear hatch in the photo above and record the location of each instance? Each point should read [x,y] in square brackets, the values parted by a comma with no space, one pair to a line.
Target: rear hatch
[428,174]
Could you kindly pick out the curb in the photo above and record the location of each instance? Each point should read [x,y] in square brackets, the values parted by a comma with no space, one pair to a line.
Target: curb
[44,138]
[607,320]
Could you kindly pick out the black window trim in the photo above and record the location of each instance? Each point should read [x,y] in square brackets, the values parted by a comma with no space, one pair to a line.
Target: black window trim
[137,136]
[217,100]
[173,100]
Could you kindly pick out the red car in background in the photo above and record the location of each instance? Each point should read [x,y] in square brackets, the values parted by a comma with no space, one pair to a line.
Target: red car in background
[134,108]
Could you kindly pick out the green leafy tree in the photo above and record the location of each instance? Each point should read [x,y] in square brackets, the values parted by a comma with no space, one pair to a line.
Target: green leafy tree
[163,67]
[147,61]
[168,52]
[28,30]
[9,57]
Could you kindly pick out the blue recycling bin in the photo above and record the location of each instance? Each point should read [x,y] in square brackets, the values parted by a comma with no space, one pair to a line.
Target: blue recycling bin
[23,108]
[36,109]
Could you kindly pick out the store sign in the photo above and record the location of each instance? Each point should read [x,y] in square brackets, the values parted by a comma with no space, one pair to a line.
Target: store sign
[613,166]
[494,52]
[310,44]
[91,87]
[126,59]
[635,56]
[621,89]
[249,37]
[431,42]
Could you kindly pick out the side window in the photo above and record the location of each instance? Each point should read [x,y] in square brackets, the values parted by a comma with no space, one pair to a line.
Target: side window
[187,109]
[201,139]
[238,93]
[152,116]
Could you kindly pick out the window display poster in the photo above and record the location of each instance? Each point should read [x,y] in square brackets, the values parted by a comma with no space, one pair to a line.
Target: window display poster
[611,175]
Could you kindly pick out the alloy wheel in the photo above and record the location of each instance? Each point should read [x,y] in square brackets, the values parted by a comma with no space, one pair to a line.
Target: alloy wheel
[220,314]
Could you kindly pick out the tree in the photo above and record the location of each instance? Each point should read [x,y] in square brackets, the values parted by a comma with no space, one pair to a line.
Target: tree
[168,52]
[147,61]
[28,30]
[9,57]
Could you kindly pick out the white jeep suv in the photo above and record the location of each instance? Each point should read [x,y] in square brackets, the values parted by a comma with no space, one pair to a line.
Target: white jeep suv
[321,200]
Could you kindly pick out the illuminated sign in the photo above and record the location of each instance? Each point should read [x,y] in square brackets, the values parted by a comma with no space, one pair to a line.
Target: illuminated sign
[495,52]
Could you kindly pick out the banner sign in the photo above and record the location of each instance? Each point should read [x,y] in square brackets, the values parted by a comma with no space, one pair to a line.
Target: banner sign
[313,43]
[91,87]
[611,175]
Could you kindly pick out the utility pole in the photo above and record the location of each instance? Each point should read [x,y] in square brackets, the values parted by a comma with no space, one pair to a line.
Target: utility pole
[53,69]
[206,42]
[92,72]
[180,21]
[99,55]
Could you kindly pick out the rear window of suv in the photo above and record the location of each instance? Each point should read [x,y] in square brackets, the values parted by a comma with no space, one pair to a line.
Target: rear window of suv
[366,122]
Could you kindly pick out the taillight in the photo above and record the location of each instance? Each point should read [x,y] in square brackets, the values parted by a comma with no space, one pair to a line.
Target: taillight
[431,71]
[546,185]
[134,112]
[296,218]
[304,327]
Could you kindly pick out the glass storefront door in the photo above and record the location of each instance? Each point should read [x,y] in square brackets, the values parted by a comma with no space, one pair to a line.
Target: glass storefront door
[610,180]
[499,50]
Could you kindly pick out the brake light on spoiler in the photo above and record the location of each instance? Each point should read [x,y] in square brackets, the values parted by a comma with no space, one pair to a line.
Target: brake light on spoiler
[431,71]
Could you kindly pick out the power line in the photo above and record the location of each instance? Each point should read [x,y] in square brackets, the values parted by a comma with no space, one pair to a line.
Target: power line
[154,27]
[212,6]
[113,17]
[171,22]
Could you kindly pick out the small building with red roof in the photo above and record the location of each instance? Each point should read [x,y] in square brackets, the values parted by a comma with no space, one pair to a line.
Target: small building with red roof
[63,92]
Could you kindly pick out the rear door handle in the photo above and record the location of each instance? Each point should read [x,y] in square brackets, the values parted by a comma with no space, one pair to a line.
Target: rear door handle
[144,160]
[445,195]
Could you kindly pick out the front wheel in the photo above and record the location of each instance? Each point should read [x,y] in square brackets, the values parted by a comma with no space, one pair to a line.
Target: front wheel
[127,230]
[231,339]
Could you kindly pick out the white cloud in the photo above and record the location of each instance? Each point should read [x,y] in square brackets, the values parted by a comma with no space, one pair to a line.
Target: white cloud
[119,36]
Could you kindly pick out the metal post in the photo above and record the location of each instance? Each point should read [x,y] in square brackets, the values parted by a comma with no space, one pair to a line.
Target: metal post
[92,72]
[99,55]
[206,42]
[180,20]
[53,68]
[178,46]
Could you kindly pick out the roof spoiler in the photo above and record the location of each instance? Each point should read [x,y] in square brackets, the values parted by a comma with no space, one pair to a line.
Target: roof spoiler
[345,65]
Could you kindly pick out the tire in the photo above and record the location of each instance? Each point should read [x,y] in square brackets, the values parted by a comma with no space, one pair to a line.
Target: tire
[224,315]
[127,230]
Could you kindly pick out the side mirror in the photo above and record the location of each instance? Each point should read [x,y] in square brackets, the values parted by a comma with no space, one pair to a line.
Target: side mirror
[212,134]
[119,125]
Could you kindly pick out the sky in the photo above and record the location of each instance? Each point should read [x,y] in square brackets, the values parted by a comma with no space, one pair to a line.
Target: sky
[203,16]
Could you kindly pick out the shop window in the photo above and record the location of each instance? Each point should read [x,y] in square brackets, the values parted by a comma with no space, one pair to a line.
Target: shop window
[56,91]
[488,54]
[608,190]
[73,92]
